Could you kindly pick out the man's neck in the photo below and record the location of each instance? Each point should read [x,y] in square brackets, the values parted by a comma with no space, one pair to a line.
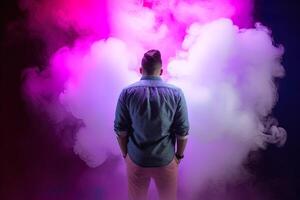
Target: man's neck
[151,75]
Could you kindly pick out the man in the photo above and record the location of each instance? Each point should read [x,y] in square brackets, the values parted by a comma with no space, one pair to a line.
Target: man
[150,117]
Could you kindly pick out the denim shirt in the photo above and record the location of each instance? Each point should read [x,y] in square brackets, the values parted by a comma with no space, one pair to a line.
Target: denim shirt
[153,113]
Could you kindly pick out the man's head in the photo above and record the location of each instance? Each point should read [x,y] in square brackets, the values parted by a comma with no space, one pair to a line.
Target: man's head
[151,63]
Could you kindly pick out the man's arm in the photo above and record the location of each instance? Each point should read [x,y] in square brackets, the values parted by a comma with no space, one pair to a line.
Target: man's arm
[122,138]
[181,144]
[122,123]
[181,126]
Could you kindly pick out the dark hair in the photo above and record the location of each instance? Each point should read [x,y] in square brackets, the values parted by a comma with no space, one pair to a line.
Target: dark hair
[151,61]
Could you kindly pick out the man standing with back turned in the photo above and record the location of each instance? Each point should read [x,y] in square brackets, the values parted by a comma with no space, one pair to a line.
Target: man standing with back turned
[151,116]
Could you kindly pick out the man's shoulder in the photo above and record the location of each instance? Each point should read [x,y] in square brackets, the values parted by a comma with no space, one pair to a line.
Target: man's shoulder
[169,85]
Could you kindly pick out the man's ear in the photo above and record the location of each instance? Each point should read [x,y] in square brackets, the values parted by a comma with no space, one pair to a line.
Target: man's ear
[161,71]
[141,70]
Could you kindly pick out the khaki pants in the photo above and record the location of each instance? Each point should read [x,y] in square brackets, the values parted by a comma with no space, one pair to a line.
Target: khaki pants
[165,179]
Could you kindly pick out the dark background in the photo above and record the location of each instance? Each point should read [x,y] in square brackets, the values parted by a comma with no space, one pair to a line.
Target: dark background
[29,154]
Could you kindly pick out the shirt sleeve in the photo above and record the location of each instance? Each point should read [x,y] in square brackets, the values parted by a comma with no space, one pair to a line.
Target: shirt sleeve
[180,124]
[122,122]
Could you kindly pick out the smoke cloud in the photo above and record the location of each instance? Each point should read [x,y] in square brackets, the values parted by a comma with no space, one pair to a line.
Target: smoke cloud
[226,67]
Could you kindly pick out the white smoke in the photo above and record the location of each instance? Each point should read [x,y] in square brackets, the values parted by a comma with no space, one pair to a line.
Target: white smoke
[227,75]
[98,76]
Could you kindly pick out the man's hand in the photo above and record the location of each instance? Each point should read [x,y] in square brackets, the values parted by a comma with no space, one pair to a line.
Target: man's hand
[177,160]
[178,157]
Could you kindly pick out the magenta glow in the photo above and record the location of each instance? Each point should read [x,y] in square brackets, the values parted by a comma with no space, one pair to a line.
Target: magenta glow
[225,64]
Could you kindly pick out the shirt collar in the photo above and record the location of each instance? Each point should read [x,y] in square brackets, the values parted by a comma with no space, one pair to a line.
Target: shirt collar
[151,77]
